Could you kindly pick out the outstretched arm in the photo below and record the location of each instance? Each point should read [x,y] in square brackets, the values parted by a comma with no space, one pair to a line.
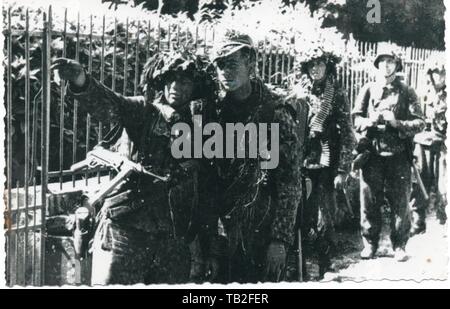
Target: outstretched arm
[97,99]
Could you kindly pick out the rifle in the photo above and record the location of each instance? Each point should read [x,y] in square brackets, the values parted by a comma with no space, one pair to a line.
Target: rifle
[300,213]
[347,203]
[423,190]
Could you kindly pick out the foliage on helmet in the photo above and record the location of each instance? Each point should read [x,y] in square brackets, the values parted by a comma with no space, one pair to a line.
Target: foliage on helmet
[316,54]
[163,65]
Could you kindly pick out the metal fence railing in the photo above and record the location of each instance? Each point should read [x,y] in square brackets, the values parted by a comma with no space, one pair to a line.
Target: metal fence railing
[45,133]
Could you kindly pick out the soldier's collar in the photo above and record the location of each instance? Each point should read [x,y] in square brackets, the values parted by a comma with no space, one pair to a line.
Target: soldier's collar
[396,83]
[318,88]
[256,93]
[254,99]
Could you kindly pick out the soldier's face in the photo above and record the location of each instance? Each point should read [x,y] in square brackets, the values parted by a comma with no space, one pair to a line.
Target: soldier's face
[233,71]
[178,90]
[387,66]
[439,79]
[317,70]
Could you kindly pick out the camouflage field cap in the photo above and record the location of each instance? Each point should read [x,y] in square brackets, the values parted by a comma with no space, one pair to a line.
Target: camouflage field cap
[231,43]
[392,52]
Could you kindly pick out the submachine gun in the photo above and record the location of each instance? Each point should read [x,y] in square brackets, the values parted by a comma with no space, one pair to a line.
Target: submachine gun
[100,157]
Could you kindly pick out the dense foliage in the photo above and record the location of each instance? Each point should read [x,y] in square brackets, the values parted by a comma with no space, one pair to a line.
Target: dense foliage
[410,23]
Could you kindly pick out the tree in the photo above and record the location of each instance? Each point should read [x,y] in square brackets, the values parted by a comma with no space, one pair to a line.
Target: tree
[164,6]
[406,22]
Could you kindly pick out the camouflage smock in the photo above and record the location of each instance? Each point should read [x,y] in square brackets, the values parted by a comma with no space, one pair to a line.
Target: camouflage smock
[259,206]
[166,212]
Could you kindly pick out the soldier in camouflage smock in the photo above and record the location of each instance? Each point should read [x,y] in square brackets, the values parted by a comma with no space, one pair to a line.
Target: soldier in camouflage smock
[328,152]
[388,115]
[258,206]
[144,236]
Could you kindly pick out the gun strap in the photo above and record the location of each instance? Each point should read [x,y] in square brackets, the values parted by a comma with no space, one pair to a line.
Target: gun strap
[112,136]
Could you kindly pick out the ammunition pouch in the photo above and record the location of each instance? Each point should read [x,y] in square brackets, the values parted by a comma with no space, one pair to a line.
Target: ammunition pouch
[121,204]
[61,225]
[363,150]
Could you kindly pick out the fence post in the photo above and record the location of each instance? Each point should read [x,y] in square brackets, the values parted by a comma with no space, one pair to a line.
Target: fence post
[263,56]
[33,253]
[159,36]
[147,52]
[113,81]
[61,112]
[102,80]
[169,37]
[27,139]
[125,61]
[88,117]
[45,133]
[136,62]
[75,104]
[17,237]
[9,150]
[270,63]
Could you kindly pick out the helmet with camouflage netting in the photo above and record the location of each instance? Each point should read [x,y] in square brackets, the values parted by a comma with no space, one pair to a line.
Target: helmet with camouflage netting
[165,64]
[318,52]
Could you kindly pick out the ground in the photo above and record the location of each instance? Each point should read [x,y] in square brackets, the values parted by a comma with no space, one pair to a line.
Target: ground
[428,257]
